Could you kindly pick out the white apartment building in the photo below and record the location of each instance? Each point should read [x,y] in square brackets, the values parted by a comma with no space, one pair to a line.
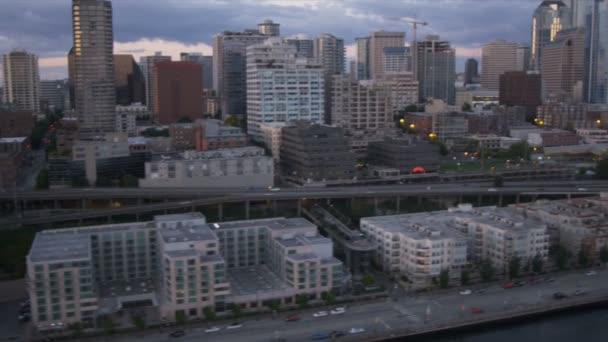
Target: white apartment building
[241,167]
[401,87]
[282,87]
[178,264]
[21,80]
[272,134]
[417,246]
[593,136]
[497,57]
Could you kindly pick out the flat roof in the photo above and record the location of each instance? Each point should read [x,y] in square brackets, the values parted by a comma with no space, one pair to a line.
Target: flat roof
[186,233]
[60,245]
[123,288]
[277,224]
[12,140]
[420,226]
[255,281]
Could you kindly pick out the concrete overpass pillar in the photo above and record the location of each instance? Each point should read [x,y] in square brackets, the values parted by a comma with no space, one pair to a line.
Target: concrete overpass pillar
[375,205]
[517,199]
[247,210]
[274,208]
[479,200]
[569,196]
[299,207]
[398,204]
[220,212]
[500,200]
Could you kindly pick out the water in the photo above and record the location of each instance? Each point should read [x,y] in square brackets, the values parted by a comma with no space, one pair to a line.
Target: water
[583,326]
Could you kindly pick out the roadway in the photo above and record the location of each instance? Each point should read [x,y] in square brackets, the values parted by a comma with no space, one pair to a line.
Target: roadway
[405,314]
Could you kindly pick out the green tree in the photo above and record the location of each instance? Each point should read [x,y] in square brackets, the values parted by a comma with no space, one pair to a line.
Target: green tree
[329,297]
[76,329]
[466,107]
[601,170]
[604,254]
[138,321]
[274,305]
[498,181]
[184,119]
[411,108]
[42,181]
[444,279]
[519,150]
[537,264]
[368,280]
[302,301]
[465,277]
[514,266]
[129,181]
[180,317]
[108,326]
[583,258]
[153,132]
[209,313]
[562,256]
[231,120]
[237,311]
[443,150]
[486,270]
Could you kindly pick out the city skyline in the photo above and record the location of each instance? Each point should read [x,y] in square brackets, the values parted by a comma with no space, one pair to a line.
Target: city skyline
[44,28]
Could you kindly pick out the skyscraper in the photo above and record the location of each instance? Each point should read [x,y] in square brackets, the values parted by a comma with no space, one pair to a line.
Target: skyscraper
[305,46]
[282,87]
[378,41]
[129,81]
[269,28]
[21,80]
[206,63]
[471,71]
[396,59]
[329,51]
[436,69]
[550,17]
[596,58]
[521,88]
[178,92]
[95,97]
[229,69]
[497,57]
[562,64]
[523,57]
[147,66]
[362,58]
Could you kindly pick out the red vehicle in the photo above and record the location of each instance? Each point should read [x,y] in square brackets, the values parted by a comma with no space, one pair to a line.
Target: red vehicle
[292,318]
[476,310]
[508,285]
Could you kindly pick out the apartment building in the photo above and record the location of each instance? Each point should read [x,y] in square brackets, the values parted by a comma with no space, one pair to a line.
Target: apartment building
[177,263]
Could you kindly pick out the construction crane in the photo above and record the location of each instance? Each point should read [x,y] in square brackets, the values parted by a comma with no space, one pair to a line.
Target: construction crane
[414,49]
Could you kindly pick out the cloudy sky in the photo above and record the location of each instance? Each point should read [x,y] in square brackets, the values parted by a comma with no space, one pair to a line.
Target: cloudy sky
[144,26]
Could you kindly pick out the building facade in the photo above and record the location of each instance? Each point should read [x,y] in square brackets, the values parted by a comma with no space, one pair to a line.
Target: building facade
[497,57]
[269,28]
[362,60]
[396,59]
[436,69]
[54,95]
[518,88]
[405,155]
[21,80]
[377,42]
[206,63]
[147,65]
[129,81]
[550,17]
[563,65]
[471,71]
[178,93]
[305,46]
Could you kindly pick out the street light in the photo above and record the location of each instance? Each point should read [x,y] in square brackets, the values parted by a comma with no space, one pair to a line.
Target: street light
[432,135]
[598,121]
[412,126]
[402,121]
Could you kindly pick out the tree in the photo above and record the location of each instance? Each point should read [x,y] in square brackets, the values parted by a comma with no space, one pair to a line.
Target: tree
[237,311]
[108,326]
[562,256]
[444,279]
[443,150]
[583,258]
[180,317]
[274,305]
[601,170]
[184,119]
[209,313]
[519,150]
[302,301]
[129,181]
[411,108]
[231,120]
[486,270]
[466,107]
[76,329]
[514,265]
[329,297]
[154,132]
[138,321]
[465,277]
[42,181]
[604,254]
[368,280]
[498,181]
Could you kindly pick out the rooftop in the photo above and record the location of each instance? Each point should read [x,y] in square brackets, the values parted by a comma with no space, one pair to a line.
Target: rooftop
[276,224]
[12,140]
[256,281]
[57,245]
[187,232]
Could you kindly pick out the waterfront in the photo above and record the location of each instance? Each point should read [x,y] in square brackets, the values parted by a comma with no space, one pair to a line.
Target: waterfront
[588,325]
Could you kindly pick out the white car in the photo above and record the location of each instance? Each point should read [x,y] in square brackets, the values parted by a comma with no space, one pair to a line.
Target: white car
[465,292]
[591,273]
[492,190]
[581,189]
[320,314]
[338,311]
[234,325]
[356,330]
[212,329]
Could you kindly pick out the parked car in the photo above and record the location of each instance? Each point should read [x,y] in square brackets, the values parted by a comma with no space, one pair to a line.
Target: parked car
[235,325]
[212,329]
[559,295]
[507,285]
[320,314]
[356,330]
[177,333]
[591,273]
[476,310]
[519,283]
[337,333]
[292,318]
[338,311]
[465,292]
[320,336]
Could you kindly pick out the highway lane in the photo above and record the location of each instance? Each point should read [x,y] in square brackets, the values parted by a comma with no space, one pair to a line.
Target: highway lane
[390,317]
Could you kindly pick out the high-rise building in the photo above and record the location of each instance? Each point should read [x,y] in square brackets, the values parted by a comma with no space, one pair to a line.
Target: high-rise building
[596,63]
[471,71]
[396,59]
[282,87]
[401,88]
[206,63]
[377,42]
[329,51]
[305,46]
[523,57]
[269,28]
[129,81]
[562,64]
[519,88]
[54,95]
[178,92]
[497,57]
[362,58]
[436,69]
[95,96]
[21,80]
[229,69]
[550,17]
[147,66]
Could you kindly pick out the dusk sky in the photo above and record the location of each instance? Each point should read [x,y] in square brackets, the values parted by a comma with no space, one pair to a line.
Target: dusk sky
[172,26]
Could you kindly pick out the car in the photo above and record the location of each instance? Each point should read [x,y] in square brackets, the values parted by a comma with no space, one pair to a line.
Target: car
[550,280]
[292,318]
[581,189]
[356,330]
[337,333]
[320,336]
[559,295]
[465,292]
[273,189]
[24,317]
[519,283]
[492,190]
[177,333]
[338,311]
[212,329]
[320,314]
[580,293]
[235,325]
[476,310]
[507,285]
[480,291]
[591,273]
